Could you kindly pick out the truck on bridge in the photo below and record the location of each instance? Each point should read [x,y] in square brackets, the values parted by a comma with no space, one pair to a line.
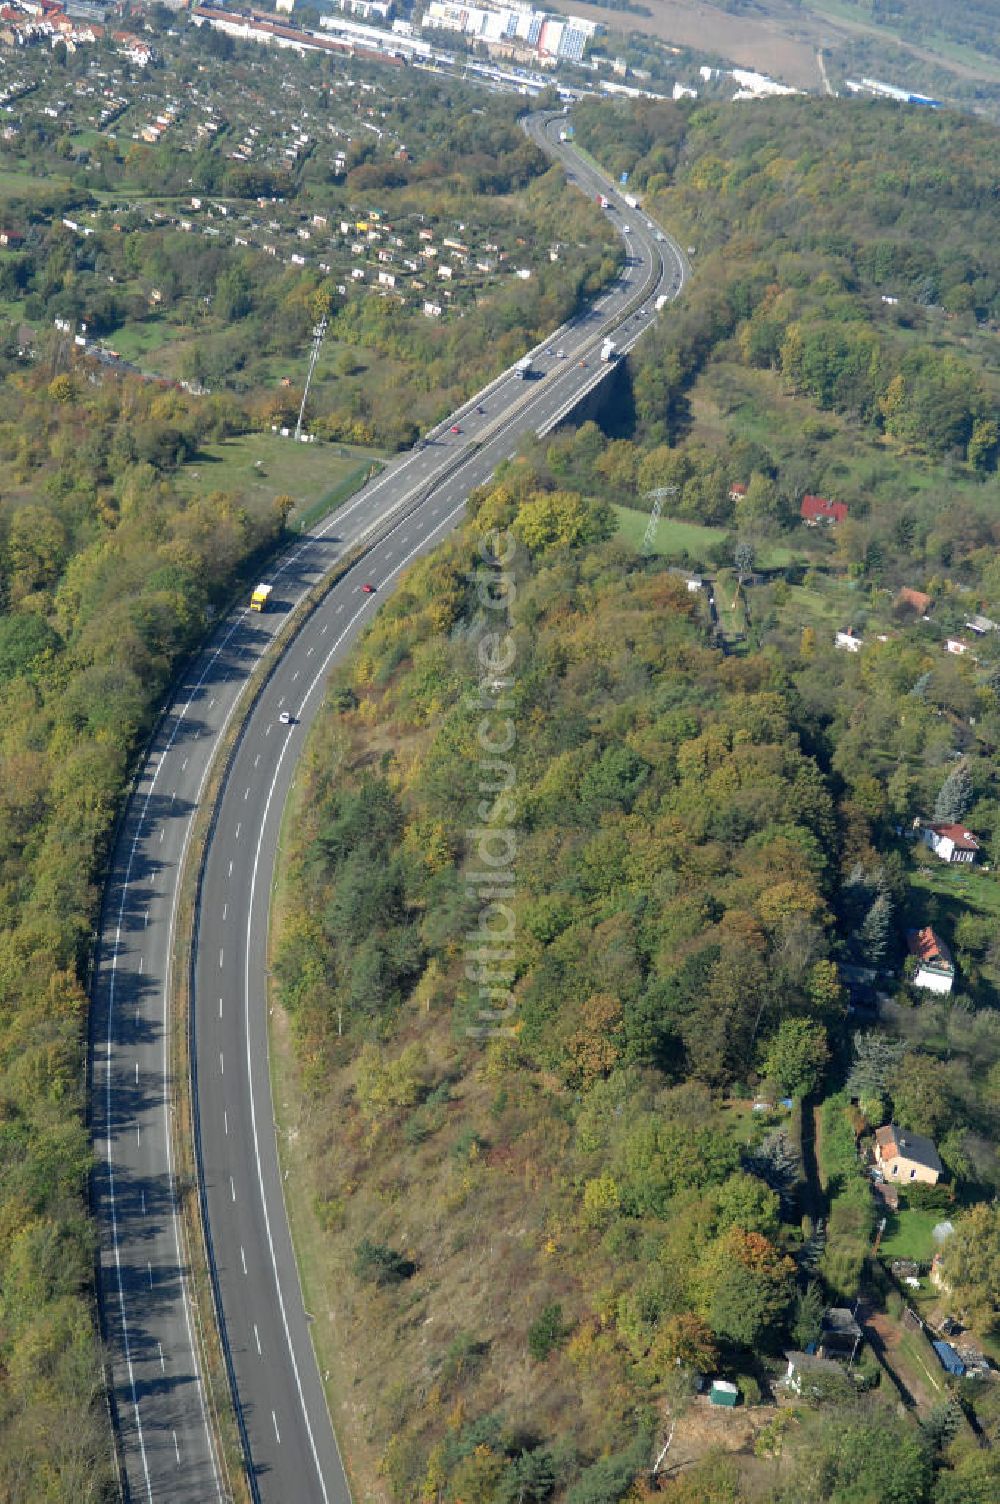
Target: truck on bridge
[609,351]
[523,367]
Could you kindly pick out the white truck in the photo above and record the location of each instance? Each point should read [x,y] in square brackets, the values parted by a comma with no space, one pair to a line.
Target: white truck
[609,351]
[661,302]
[523,367]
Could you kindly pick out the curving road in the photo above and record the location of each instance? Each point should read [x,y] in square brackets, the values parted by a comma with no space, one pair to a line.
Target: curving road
[159,1401]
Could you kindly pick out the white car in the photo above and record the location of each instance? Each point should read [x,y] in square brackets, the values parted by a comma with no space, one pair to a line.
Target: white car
[285,718]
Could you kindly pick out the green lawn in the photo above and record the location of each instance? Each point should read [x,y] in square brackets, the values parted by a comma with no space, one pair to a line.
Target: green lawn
[307,472]
[908,1233]
[137,341]
[958,890]
[21,181]
[673,538]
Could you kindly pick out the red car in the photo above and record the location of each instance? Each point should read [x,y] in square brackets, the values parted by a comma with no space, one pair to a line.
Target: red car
[455,428]
[368,589]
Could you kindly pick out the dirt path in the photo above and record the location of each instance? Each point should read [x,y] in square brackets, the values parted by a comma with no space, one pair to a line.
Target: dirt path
[821,65]
[916,1384]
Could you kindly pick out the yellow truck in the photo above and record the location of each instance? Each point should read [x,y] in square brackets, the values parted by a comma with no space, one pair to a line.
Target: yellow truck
[260,598]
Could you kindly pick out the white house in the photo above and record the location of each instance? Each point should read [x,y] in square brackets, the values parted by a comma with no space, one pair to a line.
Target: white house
[849,641]
[952,843]
[956,645]
[935,968]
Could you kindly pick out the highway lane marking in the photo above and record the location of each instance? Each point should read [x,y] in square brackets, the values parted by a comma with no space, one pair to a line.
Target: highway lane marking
[326,628]
[230,869]
[232,1187]
[177,1450]
[246,793]
[161,832]
[243,1259]
[225,910]
[146,920]
[295,675]
[256,1334]
[256,759]
[156,765]
[320,674]
[222,1068]
[221,955]
[137,1073]
[238,829]
[311,651]
[220,1007]
[184,764]
[138,1136]
[163,1366]
[340,608]
[140,966]
[142,1194]
[225,1122]
[149,1270]
[278,1435]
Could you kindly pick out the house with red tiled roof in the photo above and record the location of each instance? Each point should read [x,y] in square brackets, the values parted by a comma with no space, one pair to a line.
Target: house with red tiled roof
[905,1156]
[952,843]
[935,968]
[816,509]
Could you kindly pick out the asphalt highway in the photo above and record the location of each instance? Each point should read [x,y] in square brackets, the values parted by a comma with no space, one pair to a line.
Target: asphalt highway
[159,1400]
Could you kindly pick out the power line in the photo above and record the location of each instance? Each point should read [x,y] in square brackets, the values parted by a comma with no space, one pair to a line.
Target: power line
[318,332]
[657,497]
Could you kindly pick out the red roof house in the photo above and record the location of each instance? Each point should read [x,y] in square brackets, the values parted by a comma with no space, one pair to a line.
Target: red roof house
[935,968]
[952,843]
[816,509]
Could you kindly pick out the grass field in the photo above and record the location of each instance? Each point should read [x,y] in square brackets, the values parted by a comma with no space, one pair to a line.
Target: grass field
[306,472]
[673,539]
[908,1234]
[139,341]
[692,540]
[21,182]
